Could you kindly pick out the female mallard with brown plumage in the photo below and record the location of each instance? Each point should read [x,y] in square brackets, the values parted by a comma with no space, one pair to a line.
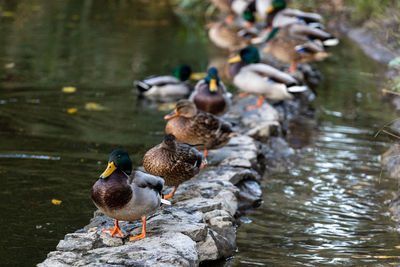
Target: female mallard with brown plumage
[126,195]
[232,37]
[175,162]
[289,46]
[210,94]
[199,128]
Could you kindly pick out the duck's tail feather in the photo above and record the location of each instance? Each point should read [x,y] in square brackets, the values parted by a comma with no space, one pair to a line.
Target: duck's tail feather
[331,42]
[297,89]
[142,86]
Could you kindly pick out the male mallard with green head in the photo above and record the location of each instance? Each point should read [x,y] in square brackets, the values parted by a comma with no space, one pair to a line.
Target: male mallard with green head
[210,94]
[199,128]
[175,162]
[126,195]
[167,86]
[261,79]
[276,14]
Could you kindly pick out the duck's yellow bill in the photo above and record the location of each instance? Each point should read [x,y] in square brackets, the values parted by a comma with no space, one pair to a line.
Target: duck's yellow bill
[171,115]
[234,59]
[267,49]
[213,85]
[109,170]
[270,9]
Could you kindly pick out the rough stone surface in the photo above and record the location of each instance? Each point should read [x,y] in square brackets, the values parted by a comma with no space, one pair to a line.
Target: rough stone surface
[200,224]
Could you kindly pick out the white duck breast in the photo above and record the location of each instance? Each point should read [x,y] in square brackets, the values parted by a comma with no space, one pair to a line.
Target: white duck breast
[262,6]
[250,80]
[239,6]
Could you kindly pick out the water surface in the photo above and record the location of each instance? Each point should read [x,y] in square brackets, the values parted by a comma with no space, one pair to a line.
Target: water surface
[328,209]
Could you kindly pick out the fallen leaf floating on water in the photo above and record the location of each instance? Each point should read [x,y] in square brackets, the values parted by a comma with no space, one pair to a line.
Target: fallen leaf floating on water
[56,201]
[398,247]
[69,89]
[8,14]
[166,106]
[72,110]
[95,107]
[198,75]
[9,65]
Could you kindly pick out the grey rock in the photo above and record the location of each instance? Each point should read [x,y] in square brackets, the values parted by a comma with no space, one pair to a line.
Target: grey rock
[207,249]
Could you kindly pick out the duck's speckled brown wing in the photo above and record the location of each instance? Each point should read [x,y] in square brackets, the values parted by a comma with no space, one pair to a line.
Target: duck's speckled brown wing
[176,166]
[213,131]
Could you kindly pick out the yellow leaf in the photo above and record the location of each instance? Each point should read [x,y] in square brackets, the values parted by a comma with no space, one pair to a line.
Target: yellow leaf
[72,110]
[8,14]
[9,65]
[198,76]
[398,247]
[69,89]
[56,201]
[95,106]
[166,106]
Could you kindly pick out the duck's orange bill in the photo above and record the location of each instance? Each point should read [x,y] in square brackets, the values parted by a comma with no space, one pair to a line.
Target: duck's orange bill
[171,115]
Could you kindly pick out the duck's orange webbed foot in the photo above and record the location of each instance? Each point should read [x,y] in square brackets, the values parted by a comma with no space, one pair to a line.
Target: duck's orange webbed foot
[171,194]
[293,67]
[143,234]
[257,105]
[205,153]
[115,232]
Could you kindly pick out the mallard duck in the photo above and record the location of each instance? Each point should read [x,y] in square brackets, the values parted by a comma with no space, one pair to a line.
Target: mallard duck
[124,194]
[210,94]
[167,86]
[229,36]
[191,126]
[175,162]
[257,78]
[277,14]
[293,49]
[232,7]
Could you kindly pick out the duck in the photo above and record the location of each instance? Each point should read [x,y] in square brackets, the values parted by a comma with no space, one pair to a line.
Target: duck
[231,37]
[251,76]
[232,7]
[210,94]
[292,45]
[167,85]
[173,161]
[203,130]
[276,14]
[124,194]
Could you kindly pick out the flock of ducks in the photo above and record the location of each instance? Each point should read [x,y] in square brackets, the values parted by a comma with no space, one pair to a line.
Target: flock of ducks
[292,36]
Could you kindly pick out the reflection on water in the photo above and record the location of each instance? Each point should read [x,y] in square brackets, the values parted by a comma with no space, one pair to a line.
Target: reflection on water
[100,47]
[329,209]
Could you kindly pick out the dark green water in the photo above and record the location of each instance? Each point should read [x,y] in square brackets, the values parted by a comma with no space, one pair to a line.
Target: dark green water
[325,210]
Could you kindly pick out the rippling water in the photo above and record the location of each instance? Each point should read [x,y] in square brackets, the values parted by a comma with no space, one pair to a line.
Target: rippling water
[328,209]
